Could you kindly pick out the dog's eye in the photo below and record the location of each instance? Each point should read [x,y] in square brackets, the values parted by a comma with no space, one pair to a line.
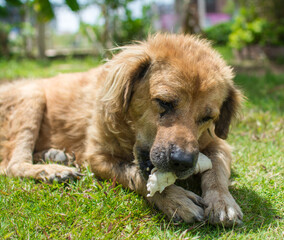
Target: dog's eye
[167,106]
[205,119]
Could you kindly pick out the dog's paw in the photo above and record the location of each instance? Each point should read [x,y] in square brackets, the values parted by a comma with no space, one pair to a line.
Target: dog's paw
[179,204]
[54,172]
[55,156]
[222,209]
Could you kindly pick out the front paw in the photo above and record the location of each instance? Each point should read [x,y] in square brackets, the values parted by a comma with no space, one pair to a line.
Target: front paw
[58,173]
[179,204]
[222,209]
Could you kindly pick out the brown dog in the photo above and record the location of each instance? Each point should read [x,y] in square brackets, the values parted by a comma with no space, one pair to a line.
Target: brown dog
[158,103]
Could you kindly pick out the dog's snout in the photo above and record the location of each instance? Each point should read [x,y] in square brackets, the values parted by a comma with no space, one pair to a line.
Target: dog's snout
[180,160]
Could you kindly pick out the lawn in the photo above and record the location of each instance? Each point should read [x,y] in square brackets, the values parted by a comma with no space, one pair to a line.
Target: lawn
[25,68]
[89,209]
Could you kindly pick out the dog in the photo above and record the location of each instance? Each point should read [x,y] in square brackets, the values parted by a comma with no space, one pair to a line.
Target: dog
[157,103]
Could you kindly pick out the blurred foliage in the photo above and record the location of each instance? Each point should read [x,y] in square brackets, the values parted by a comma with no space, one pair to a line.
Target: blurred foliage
[219,33]
[117,24]
[226,53]
[43,8]
[271,10]
[274,34]
[132,28]
[229,7]
[73,4]
[3,11]
[259,22]
[23,17]
[247,29]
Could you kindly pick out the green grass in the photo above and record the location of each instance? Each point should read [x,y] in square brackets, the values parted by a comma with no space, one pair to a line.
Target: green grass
[226,52]
[88,209]
[25,68]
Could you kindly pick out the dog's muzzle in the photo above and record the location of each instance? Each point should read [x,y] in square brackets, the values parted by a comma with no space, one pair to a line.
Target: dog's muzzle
[172,159]
[182,161]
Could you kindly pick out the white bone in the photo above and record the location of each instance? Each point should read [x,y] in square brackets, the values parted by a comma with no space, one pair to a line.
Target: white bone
[159,180]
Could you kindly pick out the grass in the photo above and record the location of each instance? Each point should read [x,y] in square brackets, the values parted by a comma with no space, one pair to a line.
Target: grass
[25,68]
[89,209]
[226,52]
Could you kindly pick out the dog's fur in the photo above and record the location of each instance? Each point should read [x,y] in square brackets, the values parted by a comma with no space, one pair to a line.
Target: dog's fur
[170,92]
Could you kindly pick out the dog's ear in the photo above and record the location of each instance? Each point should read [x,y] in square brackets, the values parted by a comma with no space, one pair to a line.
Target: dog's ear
[228,111]
[125,69]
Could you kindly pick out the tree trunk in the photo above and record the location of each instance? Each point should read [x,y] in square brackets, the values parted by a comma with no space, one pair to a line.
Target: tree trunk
[201,8]
[187,10]
[106,33]
[41,39]
[27,38]
[4,46]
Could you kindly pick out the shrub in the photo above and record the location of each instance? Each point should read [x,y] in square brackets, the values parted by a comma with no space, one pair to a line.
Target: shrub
[247,29]
[274,34]
[219,33]
[256,26]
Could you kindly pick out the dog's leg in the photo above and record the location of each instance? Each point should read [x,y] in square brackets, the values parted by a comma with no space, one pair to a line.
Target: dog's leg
[24,125]
[221,208]
[177,203]
[125,173]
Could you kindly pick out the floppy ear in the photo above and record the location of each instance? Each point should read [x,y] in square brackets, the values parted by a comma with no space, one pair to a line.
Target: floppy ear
[126,69]
[228,111]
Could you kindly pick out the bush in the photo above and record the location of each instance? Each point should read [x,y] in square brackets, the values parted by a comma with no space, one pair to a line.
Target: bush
[130,27]
[253,28]
[121,27]
[219,33]
[274,34]
[247,29]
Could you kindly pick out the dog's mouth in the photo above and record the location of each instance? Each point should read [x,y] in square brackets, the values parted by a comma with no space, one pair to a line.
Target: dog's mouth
[146,166]
[144,162]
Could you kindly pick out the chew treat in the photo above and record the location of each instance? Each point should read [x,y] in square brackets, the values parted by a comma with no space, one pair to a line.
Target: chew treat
[203,163]
[159,180]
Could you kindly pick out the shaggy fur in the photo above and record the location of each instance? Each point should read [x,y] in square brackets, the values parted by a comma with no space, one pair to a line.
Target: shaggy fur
[169,95]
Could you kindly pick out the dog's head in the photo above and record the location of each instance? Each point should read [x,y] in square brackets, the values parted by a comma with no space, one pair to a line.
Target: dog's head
[171,90]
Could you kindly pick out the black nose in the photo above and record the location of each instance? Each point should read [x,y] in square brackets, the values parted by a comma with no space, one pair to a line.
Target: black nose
[181,161]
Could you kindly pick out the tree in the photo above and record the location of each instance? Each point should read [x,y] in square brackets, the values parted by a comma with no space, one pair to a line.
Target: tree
[109,10]
[43,11]
[4,31]
[188,15]
[119,25]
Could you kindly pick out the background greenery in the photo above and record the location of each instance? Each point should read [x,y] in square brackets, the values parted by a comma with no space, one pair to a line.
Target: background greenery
[256,28]
[89,209]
